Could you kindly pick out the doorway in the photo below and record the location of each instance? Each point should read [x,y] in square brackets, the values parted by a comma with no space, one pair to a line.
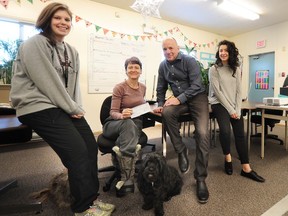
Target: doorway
[261,76]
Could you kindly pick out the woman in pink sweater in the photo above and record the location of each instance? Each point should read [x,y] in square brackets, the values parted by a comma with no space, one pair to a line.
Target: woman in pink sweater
[122,127]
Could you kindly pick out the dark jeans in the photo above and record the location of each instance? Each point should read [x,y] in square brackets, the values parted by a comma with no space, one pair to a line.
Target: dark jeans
[225,121]
[75,144]
[198,108]
[126,132]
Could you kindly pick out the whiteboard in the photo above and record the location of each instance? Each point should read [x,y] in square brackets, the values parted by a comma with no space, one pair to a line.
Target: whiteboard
[106,58]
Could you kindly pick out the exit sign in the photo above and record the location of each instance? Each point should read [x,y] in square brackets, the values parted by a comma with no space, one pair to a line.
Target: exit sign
[260,43]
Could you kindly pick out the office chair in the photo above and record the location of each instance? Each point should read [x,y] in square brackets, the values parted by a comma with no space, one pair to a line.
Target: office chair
[257,120]
[106,144]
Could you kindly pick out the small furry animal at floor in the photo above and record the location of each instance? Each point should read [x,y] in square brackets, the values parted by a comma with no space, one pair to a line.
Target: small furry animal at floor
[58,191]
[158,182]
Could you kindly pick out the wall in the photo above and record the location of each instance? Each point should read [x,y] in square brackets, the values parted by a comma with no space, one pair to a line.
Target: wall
[128,23]
[276,37]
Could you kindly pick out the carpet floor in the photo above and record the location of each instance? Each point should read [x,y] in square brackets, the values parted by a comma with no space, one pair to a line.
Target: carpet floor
[33,164]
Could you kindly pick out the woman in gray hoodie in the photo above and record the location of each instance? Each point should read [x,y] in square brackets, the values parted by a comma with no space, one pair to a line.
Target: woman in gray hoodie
[45,93]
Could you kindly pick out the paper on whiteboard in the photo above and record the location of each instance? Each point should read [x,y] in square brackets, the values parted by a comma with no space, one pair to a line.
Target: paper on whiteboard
[140,110]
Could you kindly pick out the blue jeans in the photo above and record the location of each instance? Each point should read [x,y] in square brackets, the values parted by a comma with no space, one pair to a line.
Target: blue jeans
[225,121]
[198,108]
[75,144]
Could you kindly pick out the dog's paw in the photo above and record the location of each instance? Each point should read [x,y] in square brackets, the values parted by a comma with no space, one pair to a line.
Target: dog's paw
[147,206]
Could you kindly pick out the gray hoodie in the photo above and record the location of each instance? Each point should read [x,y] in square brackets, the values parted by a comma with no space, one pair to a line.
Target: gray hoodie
[38,82]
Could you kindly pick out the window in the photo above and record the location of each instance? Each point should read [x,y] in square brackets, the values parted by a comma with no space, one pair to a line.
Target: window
[16,30]
[9,42]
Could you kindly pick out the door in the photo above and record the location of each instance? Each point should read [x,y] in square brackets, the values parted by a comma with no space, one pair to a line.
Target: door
[261,76]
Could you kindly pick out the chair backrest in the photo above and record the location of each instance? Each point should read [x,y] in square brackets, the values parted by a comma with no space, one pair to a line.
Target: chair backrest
[272,122]
[105,109]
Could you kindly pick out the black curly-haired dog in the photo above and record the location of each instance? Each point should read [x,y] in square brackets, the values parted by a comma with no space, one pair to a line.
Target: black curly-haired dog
[158,182]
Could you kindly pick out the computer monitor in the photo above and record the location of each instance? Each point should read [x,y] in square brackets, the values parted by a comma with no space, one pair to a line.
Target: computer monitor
[285,84]
[284,89]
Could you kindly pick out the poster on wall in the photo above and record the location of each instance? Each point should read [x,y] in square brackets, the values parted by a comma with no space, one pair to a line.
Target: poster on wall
[262,79]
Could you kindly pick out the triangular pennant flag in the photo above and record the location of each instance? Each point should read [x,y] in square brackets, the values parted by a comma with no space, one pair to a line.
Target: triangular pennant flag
[77,18]
[129,37]
[31,1]
[97,28]
[185,38]
[4,3]
[105,31]
[122,35]
[114,34]
[143,37]
[88,23]
[171,31]
[136,37]
[149,37]
[166,33]
[18,2]
[44,0]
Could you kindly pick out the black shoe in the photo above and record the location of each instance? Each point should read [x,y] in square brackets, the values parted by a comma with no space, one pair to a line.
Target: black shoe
[124,190]
[252,175]
[228,167]
[183,161]
[202,192]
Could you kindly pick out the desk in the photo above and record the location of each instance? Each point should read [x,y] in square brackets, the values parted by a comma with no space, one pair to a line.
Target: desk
[13,131]
[249,106]
[264,115]
[183,118]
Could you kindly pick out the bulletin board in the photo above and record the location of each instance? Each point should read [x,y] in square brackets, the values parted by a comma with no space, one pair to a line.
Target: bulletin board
[262,79]
[106,58]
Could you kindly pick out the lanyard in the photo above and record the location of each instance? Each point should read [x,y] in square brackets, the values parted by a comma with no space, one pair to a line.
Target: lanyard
[64,64]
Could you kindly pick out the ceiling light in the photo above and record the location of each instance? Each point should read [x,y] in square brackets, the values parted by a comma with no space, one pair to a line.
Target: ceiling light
[148,7]
[237,9]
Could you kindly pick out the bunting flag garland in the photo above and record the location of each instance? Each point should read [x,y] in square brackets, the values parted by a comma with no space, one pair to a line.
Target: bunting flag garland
[4,3]
[157,36]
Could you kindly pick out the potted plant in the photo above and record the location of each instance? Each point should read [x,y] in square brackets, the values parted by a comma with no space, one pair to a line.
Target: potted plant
[9,51]
[204,71]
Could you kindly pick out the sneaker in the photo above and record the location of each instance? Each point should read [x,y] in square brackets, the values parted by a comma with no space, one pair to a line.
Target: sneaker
[94,211]
[104,206]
